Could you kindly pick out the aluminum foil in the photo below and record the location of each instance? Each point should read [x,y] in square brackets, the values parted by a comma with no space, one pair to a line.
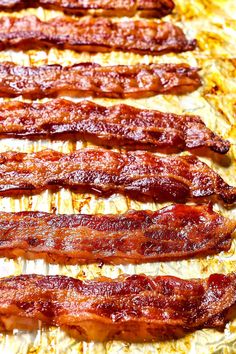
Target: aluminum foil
[213,23]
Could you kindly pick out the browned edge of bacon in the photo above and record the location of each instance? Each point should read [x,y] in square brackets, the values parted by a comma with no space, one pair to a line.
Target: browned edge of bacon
[139,174]
[172,233]
[93,35]
[89,79]
[118,125]
[155,8]
[133,308]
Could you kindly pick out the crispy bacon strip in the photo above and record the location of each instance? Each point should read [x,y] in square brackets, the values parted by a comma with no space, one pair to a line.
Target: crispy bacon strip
[93,35]
[133,308]
[102,81]
[139,174]
[175,232]
[157,8]
[118,125]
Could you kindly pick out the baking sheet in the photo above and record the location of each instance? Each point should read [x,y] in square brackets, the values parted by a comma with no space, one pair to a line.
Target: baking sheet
[213,23]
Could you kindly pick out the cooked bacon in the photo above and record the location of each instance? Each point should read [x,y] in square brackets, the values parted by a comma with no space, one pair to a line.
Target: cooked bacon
[133,308]
[157,8]
[139,174]
[118,125]
[92,79]
[93,35]
[175,232]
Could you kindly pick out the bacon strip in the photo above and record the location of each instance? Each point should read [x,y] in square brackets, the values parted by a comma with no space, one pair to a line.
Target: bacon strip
[139,174]
[118,125]
[93,35]
[133,308]
[102,81]
[175,232]
[157,8]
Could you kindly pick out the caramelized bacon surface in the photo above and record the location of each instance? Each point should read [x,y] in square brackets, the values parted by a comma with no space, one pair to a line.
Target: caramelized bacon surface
[118,125]
[93,35]
[92,79]
[158,8]
[133,308]
[139,174]
[175,232]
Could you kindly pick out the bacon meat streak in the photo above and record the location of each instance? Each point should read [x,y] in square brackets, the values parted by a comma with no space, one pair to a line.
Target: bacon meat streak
[175,232]
[93,35]
[88,79]
[118,125]
[139,174]
[133,308]
[155,8]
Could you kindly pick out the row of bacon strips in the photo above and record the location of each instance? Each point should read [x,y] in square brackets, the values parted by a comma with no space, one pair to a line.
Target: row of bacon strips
[133,308]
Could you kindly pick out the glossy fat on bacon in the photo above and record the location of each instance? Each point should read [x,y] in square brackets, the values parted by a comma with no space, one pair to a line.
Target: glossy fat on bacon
[174,232]
[118,125]
[155,8]
[89,79]
[93,35]
[139,174]
[133,308]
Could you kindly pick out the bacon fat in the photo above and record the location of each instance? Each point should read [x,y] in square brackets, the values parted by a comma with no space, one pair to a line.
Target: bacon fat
[133,308]
[139,174]
[118,125]
[174,232]
[155,8]
[93,35]
[88,79]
